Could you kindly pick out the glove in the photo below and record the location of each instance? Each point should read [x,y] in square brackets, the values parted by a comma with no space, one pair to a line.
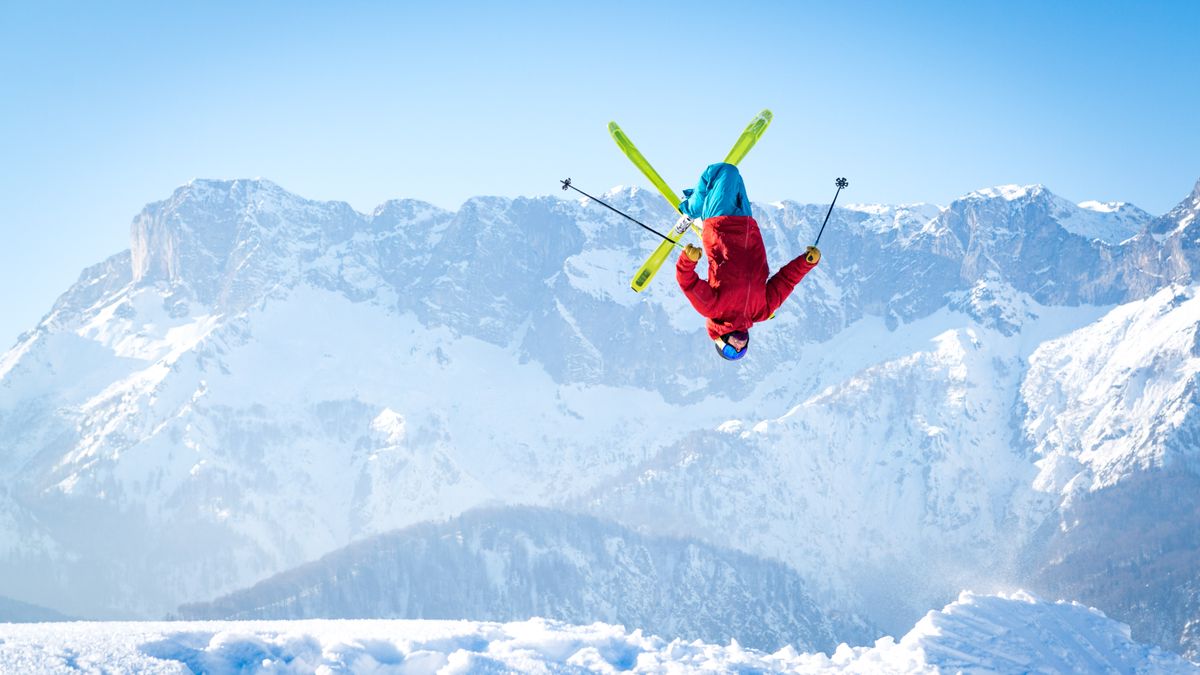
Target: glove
[693,253]
[813,256]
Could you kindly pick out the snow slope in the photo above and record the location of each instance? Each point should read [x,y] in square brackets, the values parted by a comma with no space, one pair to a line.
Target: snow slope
[886,487]
[975,634]
[1117,395]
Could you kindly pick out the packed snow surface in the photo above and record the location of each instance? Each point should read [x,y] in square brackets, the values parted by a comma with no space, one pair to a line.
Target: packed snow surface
[1016,633]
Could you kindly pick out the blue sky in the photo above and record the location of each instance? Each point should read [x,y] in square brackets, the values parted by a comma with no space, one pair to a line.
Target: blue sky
[108,106]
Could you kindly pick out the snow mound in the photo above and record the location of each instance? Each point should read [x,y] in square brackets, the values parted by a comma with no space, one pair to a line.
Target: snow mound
[995,634]
[371,646]
[1019,633]
[1016,633]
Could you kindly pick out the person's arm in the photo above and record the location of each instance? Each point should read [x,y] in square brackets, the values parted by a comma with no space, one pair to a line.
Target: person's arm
[780,286]
[697,290]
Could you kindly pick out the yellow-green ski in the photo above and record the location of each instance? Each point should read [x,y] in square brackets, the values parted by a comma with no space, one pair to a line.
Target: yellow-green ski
[749,137]
[640,162]
[754,131]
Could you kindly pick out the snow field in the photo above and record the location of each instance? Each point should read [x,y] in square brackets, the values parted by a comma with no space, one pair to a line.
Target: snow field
[368,646]
[1015,633]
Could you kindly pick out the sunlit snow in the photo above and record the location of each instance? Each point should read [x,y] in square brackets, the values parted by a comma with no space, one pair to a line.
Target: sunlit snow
[998,634]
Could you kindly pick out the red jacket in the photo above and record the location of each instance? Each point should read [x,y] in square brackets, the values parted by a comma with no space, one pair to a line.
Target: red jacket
[737,293]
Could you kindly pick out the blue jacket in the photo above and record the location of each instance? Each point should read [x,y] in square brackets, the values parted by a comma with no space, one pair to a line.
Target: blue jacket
[720,192]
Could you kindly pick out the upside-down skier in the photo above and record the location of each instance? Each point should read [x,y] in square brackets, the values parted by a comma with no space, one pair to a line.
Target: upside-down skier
[737,293]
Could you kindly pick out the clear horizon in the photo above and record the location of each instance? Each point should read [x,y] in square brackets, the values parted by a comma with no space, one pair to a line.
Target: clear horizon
[115,107]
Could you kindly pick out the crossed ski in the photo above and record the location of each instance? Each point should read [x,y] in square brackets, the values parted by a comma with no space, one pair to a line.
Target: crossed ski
[749,137]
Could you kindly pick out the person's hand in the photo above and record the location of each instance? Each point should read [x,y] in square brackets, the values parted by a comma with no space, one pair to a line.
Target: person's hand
[813,256]
[693,253]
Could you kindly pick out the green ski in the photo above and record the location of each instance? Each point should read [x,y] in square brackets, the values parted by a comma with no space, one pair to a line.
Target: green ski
[749,137]
[640,162]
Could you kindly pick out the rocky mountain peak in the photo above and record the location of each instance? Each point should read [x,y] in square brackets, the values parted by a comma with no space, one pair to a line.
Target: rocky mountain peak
[1181,218]
[1008,193]
[213,238]
[1192,203]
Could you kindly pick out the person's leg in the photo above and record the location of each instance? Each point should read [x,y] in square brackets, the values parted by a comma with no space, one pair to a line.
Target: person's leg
[726,192]
[720,192]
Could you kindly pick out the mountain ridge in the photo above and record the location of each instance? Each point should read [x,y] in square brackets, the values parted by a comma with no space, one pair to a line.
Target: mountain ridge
[262,379]
[513,563]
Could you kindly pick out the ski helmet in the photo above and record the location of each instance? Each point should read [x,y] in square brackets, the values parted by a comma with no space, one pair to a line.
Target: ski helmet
[728,351]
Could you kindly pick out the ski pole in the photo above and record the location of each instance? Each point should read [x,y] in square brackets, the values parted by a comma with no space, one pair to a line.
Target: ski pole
[567,184]
[840,183]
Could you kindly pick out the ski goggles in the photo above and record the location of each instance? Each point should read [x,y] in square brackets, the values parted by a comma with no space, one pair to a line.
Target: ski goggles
[728,352]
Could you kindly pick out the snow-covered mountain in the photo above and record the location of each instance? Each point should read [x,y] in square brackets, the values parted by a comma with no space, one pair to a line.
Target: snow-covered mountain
[264,379]
[1112,416]
[512,563]
[1017,633]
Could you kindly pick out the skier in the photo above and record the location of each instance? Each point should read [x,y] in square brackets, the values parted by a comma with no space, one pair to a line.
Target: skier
[737,293]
